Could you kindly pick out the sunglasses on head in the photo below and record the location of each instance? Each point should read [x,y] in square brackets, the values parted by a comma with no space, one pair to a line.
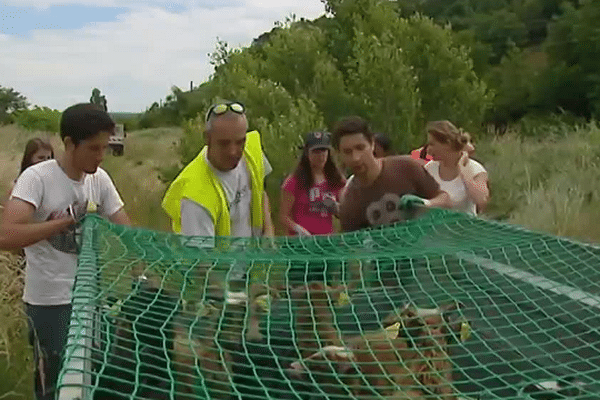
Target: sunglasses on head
[222,108]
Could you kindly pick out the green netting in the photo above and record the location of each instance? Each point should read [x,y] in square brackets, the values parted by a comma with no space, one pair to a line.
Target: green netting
[163,316]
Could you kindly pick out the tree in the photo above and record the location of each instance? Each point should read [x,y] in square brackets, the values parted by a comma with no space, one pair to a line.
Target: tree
[10,101]
[99,99]
[573,47]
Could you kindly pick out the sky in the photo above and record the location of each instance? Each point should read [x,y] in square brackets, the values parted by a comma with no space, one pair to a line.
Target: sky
[56,51]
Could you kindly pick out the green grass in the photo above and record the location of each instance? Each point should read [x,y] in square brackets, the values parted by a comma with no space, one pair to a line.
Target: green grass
[551,185]
[17,371]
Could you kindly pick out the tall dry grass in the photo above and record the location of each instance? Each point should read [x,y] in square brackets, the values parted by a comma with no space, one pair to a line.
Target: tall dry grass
[136,174]
[549,185]
[13,144]
[15,354]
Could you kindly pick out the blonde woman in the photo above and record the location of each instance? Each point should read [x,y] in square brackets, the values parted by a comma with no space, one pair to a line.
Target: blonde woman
[464,179]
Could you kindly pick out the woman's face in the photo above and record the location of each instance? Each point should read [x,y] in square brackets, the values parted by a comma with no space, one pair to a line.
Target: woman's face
[440,151]
[41,155]
[318,157]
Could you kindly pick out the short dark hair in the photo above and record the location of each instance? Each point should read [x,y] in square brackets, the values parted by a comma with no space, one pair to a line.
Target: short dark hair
[83,121]
[384,141]
[350,126]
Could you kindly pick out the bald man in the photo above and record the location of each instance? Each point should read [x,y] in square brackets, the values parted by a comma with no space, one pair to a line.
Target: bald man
[221,192]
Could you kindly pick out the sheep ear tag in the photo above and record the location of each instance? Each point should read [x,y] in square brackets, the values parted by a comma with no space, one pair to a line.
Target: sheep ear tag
[263,302]
[393,330]
[343,299]
[465,331]
[92,207]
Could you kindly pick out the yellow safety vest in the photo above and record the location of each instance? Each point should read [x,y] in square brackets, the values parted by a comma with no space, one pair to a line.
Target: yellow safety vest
[198,183]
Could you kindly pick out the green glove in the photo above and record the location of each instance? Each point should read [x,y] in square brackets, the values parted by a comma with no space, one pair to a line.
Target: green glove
[410,201]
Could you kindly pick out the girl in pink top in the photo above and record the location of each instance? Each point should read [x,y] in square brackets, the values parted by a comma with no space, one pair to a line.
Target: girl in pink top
[309,195]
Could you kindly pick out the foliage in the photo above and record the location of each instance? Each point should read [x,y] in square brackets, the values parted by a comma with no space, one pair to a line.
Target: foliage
[39,119]
[385,88]
[364,60]
[573,47]
[502,34]
[515,82]
[10,101]
[402,63]
[15,359]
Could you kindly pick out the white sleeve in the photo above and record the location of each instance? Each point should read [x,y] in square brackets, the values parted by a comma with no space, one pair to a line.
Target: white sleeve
[110,200]
[29,188]
[476,167]
[195,219]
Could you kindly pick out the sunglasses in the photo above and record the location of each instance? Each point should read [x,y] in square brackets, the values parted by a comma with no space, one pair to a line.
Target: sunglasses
[222,108]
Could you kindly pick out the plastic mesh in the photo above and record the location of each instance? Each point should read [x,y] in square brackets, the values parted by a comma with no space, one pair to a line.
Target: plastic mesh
[446,306]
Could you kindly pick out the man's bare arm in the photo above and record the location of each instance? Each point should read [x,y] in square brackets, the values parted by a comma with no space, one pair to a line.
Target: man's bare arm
[441,200]
[120,217]
[18,230]
[268,228]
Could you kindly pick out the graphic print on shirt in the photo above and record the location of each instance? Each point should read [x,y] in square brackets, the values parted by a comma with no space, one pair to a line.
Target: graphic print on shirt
[66,240]
[240,193]
[384,211]
[316,203]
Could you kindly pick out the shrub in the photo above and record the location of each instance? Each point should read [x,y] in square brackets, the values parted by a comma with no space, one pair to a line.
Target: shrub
[39,119]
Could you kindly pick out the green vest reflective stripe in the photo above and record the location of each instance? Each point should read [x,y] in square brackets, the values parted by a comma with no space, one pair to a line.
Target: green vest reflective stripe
[198,183]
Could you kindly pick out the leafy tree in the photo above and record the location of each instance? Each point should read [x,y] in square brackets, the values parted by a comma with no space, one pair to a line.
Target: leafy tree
[363,59]
[573,47]
[38,119]
[384,88]
[515,83]
[10,101]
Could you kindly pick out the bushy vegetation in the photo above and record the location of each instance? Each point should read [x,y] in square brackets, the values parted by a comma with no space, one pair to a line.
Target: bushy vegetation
[10,101]
[400,63]
[15,358]
[363,59]
[38,119]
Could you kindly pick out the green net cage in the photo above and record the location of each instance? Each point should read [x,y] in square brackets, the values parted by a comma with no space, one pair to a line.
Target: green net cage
[444,306]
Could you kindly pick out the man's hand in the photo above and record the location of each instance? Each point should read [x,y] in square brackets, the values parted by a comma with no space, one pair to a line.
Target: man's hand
[410,201]
[331,205]
[18,231]
[301,231]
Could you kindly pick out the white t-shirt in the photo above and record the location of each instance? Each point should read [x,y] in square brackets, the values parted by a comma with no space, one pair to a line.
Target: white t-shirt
[50,264]
[197,221]
[456,188]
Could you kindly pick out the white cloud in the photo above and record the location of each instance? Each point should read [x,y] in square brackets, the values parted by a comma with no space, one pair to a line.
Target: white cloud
[137,58]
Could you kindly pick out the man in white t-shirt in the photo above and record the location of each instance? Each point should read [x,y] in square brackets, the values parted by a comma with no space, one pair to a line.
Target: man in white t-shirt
[221,192]
[41,214]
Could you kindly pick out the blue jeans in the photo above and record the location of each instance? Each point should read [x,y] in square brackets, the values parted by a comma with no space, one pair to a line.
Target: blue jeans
[48,329]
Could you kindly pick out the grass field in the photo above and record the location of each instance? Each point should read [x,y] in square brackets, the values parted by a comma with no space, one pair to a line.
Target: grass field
[551,185]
